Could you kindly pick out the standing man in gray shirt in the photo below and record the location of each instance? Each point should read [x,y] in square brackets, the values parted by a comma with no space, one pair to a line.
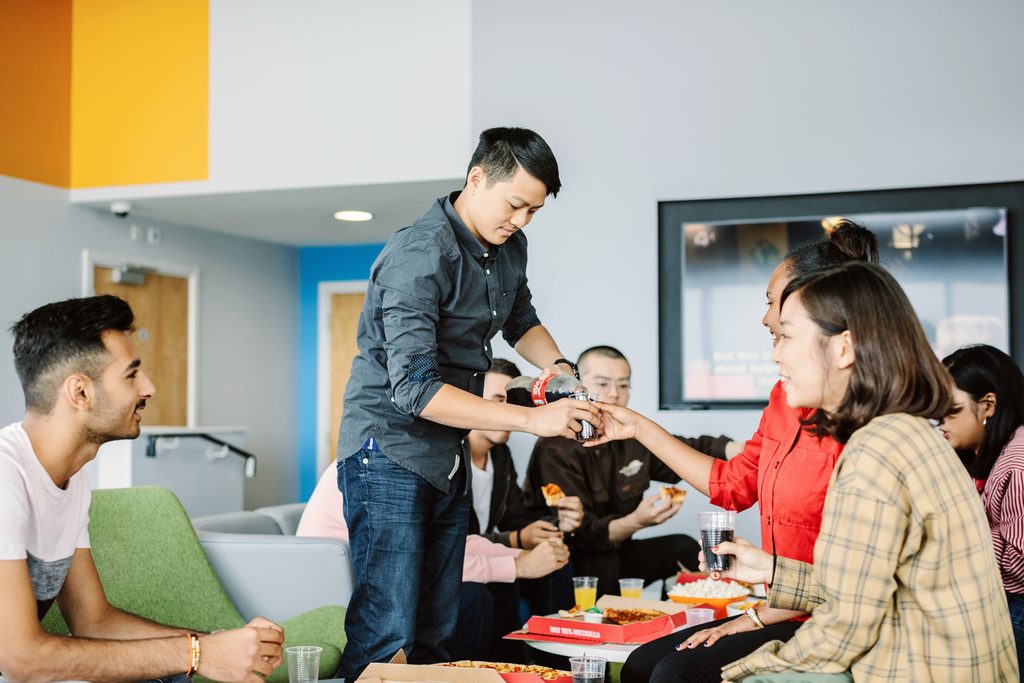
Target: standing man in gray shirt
[441,289]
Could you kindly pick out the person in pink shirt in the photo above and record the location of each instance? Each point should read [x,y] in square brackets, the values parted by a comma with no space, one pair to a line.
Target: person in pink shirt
[986,429]
[485,562]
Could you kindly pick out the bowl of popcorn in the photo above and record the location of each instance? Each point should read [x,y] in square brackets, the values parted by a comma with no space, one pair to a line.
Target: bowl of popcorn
[716,593]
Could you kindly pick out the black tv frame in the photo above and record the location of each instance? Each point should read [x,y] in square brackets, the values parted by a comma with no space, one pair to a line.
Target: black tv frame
[671,214]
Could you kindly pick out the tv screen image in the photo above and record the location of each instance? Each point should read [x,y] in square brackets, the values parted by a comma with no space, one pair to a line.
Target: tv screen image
[951,264]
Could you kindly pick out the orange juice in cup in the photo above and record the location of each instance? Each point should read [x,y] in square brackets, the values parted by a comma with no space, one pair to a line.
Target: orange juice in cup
[631,588]
[585,590]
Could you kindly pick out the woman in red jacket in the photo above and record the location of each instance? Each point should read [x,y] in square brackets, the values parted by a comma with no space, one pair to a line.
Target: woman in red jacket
[782,467]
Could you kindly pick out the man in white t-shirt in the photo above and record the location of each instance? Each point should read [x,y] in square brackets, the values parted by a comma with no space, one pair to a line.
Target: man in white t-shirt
[84,386]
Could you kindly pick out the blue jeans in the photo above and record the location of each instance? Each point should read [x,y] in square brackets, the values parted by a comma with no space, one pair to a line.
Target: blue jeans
[407,541]
[1016,604]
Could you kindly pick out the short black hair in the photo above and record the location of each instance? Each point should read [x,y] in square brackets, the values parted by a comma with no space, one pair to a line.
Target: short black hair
[603,351]
[504,367]
[64,337]
[503,150]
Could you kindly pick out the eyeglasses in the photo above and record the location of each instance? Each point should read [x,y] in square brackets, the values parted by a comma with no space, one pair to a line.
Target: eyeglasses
[606,384]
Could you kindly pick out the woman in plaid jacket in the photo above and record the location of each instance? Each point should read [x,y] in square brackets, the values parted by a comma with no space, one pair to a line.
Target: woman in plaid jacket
[904,585]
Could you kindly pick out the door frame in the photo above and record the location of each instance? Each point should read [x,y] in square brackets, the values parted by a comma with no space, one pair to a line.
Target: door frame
[92,259]
[325,290]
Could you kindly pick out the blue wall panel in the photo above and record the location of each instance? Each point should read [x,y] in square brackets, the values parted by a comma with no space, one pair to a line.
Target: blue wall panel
[316,265]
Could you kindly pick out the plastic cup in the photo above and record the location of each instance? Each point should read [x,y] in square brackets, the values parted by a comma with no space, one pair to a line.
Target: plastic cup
[716,527]
[699,615]
[587,669]
[631,588]
[303,663]
[585,591]
[587,430]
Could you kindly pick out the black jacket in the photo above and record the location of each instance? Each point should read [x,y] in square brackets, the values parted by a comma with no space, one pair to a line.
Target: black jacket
[610,479]
[508,505]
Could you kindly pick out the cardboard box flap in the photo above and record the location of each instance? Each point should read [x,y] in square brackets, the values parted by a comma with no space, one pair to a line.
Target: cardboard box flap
[411,673]
[397,670]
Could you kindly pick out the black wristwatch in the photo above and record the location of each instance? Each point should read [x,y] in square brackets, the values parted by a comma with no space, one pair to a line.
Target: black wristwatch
[566,361]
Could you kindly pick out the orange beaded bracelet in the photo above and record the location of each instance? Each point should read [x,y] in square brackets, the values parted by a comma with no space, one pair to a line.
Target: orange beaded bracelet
[193,653]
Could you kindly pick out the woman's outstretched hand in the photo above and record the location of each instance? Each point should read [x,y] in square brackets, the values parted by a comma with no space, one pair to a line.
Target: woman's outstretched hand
[617,423]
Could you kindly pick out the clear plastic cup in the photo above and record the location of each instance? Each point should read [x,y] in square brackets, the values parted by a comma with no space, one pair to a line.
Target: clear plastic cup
[716,527]
[699,615]
[585,591]
[303,663]
[587,669]
[587,430]
[631,588]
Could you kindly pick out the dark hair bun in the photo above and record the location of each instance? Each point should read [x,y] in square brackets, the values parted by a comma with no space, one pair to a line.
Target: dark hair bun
[855,241]
[846,242]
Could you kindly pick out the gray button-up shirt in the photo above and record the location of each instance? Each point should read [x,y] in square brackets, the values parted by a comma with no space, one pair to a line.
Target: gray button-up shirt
[435,300]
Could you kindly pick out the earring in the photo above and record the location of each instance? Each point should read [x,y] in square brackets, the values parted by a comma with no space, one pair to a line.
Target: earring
[984,422]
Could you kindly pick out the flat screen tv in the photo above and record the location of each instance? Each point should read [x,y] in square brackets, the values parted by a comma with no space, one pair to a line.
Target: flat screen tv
[948,247]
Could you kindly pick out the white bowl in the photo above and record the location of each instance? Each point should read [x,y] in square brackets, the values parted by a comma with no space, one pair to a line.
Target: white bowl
[737,608]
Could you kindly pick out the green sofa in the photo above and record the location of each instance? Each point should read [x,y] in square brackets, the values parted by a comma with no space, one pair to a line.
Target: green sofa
[152,564]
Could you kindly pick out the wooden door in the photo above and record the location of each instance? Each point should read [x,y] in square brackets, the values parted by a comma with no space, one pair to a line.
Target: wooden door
[345,309]
[161,338]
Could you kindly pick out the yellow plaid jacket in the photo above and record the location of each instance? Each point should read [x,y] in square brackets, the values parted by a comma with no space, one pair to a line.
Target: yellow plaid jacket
[904,585]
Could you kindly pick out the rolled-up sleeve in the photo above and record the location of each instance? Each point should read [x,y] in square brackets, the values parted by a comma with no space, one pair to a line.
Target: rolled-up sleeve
[733,483]
[412,283]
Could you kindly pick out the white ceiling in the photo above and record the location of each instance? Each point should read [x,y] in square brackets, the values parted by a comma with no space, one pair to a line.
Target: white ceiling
[298,217]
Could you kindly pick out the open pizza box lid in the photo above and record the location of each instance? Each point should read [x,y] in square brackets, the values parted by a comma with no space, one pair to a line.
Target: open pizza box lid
[398,671]
[676,611]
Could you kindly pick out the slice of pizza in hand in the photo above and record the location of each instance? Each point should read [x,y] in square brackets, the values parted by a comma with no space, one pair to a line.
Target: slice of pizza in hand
[673,496]
[552,494]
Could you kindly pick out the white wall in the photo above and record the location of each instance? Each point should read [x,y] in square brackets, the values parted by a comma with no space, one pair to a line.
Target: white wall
[669,100]
[248,317]
[331,92]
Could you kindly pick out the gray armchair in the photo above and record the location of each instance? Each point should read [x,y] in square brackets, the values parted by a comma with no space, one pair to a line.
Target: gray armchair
[268,573]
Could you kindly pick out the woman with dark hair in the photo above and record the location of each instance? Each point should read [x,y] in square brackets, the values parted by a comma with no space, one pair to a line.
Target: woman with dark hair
[782,468]
[986,428]
[904,585]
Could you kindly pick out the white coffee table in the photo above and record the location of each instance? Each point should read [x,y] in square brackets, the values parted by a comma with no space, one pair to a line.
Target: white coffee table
[609,651]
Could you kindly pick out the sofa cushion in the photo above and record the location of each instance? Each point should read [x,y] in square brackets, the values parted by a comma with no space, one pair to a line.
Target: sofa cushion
[237,523]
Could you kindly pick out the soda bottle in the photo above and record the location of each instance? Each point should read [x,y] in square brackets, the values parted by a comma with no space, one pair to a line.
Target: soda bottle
[533,391]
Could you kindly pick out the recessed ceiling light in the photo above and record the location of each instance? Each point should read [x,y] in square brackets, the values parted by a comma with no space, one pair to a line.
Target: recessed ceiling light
[356,216]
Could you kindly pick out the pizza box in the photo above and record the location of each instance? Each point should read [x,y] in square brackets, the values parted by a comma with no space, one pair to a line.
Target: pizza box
[398,671]
[575,629]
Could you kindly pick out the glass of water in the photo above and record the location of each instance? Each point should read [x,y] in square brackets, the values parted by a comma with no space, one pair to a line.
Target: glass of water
[587,669]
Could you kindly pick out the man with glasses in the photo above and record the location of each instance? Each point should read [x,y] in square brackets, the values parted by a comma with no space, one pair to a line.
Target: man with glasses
[611,480]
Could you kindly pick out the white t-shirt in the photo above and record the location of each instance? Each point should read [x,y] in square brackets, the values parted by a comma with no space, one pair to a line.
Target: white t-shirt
[483,485]
[39,522]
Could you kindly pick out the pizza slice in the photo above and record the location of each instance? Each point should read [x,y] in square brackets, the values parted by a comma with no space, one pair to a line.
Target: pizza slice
[573,611]
[552,494]
[630,616]
[672,496]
